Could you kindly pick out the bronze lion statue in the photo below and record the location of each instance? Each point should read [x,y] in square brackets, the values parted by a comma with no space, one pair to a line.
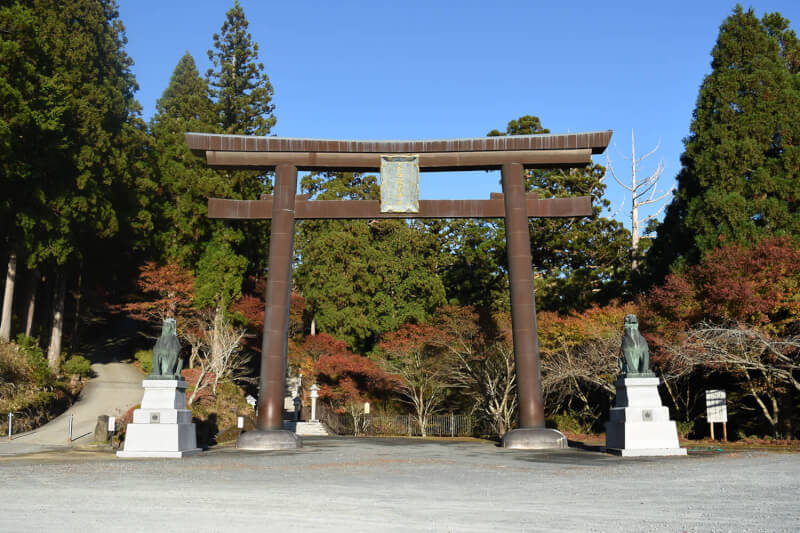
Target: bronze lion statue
[167,363]
[634,357]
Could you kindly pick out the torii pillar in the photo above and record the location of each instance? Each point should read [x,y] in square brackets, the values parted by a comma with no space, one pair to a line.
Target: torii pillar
[509,154]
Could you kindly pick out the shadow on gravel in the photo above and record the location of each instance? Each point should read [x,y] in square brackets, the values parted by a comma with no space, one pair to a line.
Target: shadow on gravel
[586,447]
[569,457]
[228,450]
[391,442]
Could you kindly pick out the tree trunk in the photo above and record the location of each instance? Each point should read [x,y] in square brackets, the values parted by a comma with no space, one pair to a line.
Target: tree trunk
[199,385]
[73,343]
[674,399]
[33,284]
[8,297]
[789,415]
[193,356]
[772,417]
[54,351]
[313,327]
[634,211]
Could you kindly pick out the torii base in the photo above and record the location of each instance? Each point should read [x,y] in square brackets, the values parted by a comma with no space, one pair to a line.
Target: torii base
[272,439]
[534,439]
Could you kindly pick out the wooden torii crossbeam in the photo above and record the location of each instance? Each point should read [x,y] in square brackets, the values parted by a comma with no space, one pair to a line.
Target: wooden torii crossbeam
[511,155]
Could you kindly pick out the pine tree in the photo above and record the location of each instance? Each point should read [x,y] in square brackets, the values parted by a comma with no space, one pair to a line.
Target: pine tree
[219,274]
[242,96]
[362,278]
[185,179]
[20,122]
[739,180]
[576,261]
[240,88]
[475,268]
[81,169]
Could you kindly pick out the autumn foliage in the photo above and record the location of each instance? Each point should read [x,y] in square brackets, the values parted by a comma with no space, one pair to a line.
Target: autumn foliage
[721,320]
[168,292]
[343,376]
[579,353]
[251,307]
[757,286]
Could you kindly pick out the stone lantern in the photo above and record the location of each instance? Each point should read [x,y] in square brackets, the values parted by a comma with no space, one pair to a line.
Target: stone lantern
[314,395]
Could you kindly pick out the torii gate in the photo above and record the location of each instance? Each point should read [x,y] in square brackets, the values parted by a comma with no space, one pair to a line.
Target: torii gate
[510,154]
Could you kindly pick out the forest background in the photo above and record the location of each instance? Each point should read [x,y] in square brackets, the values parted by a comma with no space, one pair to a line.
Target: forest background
[104,212]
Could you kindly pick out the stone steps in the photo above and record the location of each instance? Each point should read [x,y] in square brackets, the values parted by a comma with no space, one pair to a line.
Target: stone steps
[308,429]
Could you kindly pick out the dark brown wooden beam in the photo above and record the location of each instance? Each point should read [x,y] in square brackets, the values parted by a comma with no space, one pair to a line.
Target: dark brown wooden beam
[596,141]
[369,209]
[372,162]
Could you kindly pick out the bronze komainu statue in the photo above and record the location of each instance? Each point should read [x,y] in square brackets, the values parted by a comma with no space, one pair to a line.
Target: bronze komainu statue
[166,361]
[634,357]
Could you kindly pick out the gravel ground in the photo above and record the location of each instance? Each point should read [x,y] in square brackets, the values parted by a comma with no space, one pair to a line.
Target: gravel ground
[346,484]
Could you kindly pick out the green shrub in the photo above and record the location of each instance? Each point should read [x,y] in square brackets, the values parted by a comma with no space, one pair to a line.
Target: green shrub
[571,422]
[77,364]
[145,358]
[685,428]
[40,371]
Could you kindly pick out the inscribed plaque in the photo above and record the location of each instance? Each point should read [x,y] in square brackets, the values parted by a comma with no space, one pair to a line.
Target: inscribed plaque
[399,184]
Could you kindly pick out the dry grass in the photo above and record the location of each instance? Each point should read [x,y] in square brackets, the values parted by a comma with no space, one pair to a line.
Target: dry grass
[28,390]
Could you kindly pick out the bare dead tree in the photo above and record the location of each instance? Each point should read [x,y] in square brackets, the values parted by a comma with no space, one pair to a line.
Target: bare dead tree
[356,411]
[424,381]
[677,373]
[202,381]
[643,193]
[577,371]
[227,360]
[490,378]
[216,347]
[483,364]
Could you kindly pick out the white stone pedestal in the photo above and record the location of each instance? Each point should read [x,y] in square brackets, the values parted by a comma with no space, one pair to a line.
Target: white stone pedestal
[640,424]
[162,427]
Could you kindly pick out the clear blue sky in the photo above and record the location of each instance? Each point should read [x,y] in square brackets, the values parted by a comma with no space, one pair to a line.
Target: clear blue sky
[427,70]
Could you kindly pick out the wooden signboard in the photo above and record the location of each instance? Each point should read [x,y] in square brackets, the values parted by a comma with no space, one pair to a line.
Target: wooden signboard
[717,410]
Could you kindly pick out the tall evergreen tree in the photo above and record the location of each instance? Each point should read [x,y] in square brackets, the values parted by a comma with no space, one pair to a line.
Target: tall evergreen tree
[242,97]
[476,266]
[82,164]
[239,86]
[185,179]
[576,261]
[24,119]
[362,278]
[740,175]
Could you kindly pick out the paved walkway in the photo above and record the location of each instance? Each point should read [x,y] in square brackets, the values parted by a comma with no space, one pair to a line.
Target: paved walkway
[116,387]
[371,484]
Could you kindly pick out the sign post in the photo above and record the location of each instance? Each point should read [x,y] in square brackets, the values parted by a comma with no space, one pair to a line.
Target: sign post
[717,411]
